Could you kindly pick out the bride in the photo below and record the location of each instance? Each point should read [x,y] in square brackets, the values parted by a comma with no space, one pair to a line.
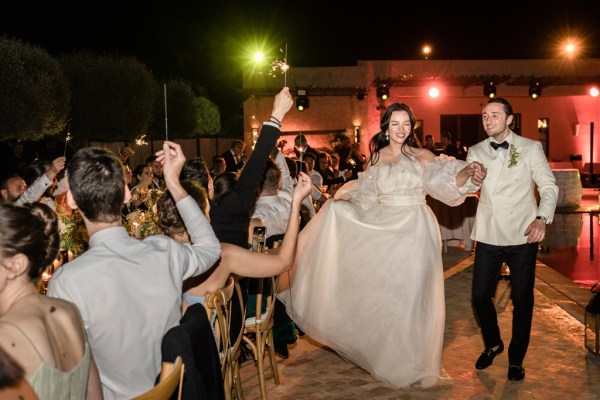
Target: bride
[368,277]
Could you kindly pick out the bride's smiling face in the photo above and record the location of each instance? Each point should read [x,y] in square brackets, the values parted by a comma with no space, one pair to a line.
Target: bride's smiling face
[399,128]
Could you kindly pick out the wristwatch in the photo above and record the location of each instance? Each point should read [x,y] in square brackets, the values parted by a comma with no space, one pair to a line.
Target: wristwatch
[545,220]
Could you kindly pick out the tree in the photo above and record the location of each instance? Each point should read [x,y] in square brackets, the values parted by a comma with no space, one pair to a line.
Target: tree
[34,94]
[112,96]
[208,117]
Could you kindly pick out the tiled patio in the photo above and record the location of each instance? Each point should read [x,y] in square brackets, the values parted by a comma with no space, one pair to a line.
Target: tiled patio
[557,364]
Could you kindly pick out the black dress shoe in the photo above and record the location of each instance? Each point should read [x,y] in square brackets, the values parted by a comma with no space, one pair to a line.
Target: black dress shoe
[516,372]
[487,357]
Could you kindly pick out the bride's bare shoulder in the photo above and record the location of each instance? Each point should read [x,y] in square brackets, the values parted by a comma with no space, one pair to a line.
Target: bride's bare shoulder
[424,155]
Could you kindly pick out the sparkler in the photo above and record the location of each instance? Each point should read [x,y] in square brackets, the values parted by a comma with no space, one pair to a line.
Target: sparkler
[67,139]
[166,124]
[302,149]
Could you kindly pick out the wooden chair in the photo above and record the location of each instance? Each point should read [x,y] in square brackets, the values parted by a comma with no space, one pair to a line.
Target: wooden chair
[258,331]
[218,306]
[171,375]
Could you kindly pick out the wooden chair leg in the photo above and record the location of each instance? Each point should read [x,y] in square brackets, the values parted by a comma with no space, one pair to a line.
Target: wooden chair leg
[261,365]
[238,381]
[272,358]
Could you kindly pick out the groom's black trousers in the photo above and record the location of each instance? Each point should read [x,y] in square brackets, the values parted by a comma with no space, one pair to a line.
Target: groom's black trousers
[521,260]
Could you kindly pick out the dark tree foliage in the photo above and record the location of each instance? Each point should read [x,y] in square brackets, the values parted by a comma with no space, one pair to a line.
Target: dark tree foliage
[112,97]
[34,94]
[208,117]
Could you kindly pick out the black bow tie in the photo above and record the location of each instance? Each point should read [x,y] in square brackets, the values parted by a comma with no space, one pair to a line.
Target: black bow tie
[496,146]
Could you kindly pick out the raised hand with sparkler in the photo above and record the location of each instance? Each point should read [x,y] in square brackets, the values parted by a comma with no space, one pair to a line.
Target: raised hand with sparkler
[283,103]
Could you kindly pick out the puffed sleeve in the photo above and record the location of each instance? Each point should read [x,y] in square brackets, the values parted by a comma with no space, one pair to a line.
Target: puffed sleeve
[440,180]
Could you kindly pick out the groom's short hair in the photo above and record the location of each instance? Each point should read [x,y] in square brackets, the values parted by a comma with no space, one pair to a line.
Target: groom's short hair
[507,107]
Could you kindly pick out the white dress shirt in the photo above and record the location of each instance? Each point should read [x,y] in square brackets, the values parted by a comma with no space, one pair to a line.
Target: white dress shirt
[275,210]
[35,191]
[129,294]
[502,152]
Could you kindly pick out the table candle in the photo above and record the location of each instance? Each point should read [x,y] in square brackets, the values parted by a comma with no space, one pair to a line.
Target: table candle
[138,230]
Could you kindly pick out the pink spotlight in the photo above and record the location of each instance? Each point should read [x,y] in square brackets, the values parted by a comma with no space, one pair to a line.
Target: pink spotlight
[434,92]
[594,92]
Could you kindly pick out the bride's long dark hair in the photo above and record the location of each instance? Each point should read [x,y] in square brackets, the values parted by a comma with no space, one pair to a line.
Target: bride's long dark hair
[380,140]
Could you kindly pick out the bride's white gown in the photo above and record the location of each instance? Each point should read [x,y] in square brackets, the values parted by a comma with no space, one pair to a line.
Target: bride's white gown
[368,278]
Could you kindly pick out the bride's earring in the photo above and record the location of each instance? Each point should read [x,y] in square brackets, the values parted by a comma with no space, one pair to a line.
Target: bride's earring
[387,137]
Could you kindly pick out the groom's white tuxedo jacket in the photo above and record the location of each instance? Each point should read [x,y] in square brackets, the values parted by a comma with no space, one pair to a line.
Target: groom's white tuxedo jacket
[507,202]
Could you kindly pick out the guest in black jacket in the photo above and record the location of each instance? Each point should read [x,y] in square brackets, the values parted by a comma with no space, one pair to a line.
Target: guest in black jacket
[234,197]
[449,148]
[234,157]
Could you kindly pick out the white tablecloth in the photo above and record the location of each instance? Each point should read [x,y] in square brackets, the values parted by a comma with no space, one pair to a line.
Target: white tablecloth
[569,186]
[456,223]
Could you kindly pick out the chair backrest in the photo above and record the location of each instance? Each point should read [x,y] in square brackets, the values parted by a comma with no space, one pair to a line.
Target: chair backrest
[171,375]
[218,303]
[266,292]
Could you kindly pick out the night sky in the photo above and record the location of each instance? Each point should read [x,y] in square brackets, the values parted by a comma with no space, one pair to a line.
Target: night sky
[207,42]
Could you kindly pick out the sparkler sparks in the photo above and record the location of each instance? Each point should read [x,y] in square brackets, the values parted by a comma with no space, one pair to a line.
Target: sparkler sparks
[141,141]
[280,67]
[67,139]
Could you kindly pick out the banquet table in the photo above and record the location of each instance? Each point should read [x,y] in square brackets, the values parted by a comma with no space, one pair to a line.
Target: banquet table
[569,186]
[456,223]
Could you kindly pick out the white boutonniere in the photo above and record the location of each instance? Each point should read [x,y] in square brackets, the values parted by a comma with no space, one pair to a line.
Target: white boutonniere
[513,155]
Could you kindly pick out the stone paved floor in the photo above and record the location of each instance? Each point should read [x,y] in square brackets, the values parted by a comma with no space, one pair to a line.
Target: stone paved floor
[557,364]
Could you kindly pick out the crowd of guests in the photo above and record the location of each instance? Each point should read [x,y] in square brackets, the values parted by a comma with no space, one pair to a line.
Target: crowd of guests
[107,311]
[447,146]
[113,314]
[97,332]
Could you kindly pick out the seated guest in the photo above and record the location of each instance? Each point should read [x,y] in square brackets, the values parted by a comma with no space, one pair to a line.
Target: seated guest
[307,209]
[218,166]
[429,145]
[43,334]
[351,158]
[318,194]
[449,148]
[33,172]
[127,290]
[157,174]
[14,189]
[234,259]
[330,178]
[128,206]
[142,181]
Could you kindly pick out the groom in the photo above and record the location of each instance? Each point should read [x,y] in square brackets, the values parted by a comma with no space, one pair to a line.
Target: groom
[508,226]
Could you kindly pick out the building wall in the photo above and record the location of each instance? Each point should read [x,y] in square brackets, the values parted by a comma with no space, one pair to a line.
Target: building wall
[334,106]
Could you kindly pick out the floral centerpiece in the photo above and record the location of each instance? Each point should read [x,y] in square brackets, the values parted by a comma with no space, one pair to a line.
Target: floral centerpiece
[73,235]
[141,224]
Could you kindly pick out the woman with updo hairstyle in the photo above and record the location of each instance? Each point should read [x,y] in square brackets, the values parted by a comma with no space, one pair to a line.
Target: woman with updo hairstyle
[43,334]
